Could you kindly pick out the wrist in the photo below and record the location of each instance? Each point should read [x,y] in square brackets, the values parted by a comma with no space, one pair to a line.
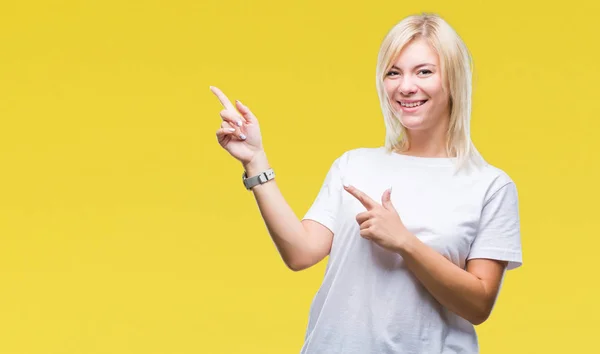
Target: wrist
[407,244]
[258,164]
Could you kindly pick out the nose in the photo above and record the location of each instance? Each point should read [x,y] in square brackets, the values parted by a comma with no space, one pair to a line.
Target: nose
[407,86]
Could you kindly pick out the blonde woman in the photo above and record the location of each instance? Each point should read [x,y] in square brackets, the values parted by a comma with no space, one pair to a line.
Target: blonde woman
[419,232]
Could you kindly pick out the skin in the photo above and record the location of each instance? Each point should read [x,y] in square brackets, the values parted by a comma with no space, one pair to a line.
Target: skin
[469,293]
[415,75]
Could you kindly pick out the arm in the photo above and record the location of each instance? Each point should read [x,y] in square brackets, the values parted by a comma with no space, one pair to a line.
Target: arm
[301,244]
[470,294]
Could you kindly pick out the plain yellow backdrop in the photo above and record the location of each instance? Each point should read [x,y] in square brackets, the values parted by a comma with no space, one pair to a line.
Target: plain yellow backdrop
[125,228]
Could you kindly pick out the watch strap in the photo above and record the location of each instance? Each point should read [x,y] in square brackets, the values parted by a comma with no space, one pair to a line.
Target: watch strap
[261,178]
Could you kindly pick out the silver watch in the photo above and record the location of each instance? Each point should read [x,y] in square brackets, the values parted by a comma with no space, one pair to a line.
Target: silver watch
[261,178]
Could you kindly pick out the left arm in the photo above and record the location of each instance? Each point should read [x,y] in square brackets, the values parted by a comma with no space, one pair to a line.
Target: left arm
[470,294]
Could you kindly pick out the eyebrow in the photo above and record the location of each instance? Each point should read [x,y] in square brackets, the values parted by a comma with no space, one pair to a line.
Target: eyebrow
[416,67]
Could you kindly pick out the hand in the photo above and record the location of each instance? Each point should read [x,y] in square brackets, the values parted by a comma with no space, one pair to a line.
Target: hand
[239,133]
[381,222]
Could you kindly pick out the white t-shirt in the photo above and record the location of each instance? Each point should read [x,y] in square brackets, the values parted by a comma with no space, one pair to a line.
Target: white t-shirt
[369,301]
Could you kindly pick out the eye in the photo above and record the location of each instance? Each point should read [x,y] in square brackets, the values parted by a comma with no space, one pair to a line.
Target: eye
[391,73]
[425,72]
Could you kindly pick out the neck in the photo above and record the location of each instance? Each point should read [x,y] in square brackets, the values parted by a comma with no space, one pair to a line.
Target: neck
[427,143]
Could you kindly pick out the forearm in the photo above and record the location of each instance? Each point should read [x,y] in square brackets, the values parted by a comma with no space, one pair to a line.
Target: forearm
[283,225]
[456,289]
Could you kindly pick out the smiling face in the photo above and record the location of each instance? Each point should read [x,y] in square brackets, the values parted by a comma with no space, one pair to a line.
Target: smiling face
[414,85]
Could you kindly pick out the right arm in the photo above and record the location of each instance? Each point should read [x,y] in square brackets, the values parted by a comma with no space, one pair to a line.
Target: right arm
[301,244]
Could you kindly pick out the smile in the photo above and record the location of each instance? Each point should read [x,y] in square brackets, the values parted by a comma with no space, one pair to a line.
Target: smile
[412,104]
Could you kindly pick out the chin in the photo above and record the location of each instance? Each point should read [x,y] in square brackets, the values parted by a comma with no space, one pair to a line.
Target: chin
[413,122]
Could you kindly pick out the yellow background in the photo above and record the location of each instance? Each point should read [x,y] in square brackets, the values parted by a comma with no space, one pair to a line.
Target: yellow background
[125,228]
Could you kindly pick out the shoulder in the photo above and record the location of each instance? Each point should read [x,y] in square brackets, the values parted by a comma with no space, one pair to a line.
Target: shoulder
[494,180]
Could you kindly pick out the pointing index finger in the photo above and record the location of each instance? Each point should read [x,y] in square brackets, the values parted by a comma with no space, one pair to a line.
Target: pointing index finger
[222,98]
[363,198]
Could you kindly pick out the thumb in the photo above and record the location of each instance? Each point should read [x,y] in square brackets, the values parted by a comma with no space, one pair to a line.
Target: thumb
[386,199]
[246,113]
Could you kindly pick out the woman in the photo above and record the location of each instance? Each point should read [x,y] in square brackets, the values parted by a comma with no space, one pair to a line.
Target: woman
[413,270]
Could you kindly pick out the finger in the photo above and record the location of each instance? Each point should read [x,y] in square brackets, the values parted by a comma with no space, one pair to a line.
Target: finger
[224,136]
[246,113]
[223,132]
[364,199]
[366,224]
[362,217]
[236,131]
[232,117]
[222,98]
[365,233]
[386,199]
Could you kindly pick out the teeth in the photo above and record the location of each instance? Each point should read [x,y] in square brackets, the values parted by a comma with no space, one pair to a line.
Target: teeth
[413,104]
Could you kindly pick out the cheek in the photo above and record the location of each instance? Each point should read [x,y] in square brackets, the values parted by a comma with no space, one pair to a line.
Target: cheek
[390,87]
[435,90]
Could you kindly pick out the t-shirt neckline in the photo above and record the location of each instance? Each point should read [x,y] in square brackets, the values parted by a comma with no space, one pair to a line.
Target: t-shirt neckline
[420,160]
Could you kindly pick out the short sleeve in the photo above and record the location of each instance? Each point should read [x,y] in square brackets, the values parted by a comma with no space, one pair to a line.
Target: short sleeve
[499,233]
[326,205]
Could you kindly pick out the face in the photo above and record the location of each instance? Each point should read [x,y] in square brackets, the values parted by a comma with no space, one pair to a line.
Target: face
[414,86]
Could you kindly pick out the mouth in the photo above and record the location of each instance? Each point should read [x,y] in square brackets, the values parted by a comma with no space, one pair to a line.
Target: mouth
[410,107]
[411,104]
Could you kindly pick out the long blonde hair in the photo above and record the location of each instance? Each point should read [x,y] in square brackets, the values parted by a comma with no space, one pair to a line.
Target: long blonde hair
[456,71]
